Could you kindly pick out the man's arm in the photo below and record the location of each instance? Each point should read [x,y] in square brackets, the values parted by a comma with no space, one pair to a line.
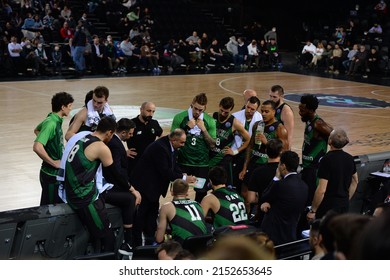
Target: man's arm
[323,129]
[78,121]
[39,149]
[209,135]
[318,197]
[162,223]
[353,185]
[282,135]
[237,126]
[288,122]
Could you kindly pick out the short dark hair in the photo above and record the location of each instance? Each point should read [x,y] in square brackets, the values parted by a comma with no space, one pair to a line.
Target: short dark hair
[274,147]
[271,103]
[106,124]
[60,99]
[310,101]
[217,175]
[277,88]
[101,91]
[254,100]
[291,160]
[227,102]
[125,124]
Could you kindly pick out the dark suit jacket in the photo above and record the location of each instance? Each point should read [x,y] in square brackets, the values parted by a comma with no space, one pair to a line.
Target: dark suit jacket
[155,170]
[119,156]
[287,198]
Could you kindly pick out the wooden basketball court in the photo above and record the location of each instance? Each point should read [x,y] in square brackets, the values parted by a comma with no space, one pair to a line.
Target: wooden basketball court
[23,104]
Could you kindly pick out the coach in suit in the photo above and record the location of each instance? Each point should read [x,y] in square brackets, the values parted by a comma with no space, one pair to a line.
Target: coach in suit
[122,195]
[284,200]
[152,174]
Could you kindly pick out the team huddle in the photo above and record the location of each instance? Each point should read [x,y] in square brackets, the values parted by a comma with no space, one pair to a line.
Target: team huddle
[240,165]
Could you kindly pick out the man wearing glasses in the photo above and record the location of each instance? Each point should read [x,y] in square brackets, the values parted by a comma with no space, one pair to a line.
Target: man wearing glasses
[200,128]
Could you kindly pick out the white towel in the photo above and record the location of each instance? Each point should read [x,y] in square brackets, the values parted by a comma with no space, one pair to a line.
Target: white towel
[100,182]
[93,117]
[195,130]
[240,116]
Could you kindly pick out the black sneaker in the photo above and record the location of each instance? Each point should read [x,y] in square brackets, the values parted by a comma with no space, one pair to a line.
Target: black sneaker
[125,250]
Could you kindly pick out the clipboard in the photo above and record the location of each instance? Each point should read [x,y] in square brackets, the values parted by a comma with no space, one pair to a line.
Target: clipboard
[199,184]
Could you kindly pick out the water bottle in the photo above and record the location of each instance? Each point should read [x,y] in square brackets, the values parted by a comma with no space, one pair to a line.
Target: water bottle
[259,130]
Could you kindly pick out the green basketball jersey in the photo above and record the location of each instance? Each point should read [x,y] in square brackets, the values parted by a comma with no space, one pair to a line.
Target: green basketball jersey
[232,210]
[188,221]
[80,173]
[52,138]
[195,151]
[312,149]
[258,152]
[225,137]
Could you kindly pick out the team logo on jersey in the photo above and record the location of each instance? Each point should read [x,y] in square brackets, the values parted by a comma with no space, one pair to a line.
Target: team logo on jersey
[271,128]
[343,101]
[309,128]
[228,124]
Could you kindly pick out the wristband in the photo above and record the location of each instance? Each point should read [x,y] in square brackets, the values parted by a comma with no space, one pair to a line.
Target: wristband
[235,152]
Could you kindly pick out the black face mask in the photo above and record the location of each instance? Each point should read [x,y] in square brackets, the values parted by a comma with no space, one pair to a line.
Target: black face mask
[146,119]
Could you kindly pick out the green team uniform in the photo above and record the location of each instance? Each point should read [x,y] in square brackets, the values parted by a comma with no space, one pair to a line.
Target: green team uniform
[225,138]
[232,210]
[278,112]
[188,221]
[312,149]
[80,173]
[259,155]
[195,151]
[51,137]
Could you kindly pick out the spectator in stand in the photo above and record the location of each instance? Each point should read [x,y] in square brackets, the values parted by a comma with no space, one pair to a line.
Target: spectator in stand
[271,34]
[149,57]
[194,37]
[127,48]
[98,57]
[15,49]
[318,55]
[57,59]
[111,54]
[351,53]
[66,13]
[372,62]
[375,32]
[274,54]
[215,53]
[263,53]
[381,9]
[253,54]
[340,35]
[66,33]
[242,55]
[307,54]
[232,49]
[358,61]
[335,60]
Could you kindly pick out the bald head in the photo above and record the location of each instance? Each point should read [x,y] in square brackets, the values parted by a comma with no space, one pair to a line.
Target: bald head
[248,93]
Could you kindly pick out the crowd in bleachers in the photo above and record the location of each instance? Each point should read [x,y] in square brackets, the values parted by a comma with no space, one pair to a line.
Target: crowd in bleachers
[359,45]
